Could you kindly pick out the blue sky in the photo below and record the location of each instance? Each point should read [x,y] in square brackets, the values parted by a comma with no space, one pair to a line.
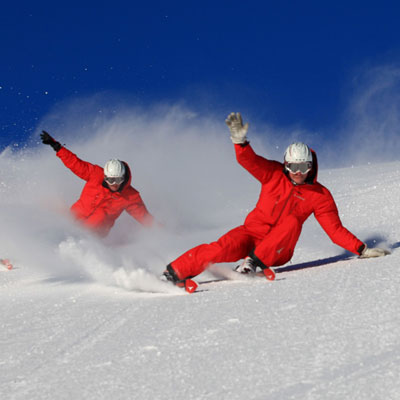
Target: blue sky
[283,62]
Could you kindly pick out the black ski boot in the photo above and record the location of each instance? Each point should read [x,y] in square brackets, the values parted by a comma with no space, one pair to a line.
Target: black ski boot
[170,275]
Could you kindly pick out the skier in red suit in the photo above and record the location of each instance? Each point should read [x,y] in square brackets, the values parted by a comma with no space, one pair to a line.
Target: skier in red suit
[106,194]
[290,193]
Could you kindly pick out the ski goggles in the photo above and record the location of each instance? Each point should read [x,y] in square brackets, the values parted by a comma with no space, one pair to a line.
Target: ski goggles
[114,180]
[303,167]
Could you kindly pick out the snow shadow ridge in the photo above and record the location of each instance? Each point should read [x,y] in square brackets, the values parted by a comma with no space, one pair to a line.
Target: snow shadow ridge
[316,263]
[380,241]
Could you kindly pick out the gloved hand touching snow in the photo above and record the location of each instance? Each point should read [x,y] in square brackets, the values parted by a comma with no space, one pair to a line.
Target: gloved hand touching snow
[238,130]
[373,252]
[47,139]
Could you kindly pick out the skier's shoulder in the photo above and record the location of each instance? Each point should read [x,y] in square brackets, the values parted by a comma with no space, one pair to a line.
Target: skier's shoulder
[129,192]
[322,197]
[271,166]
[317,188]
[321,188]
[275,165]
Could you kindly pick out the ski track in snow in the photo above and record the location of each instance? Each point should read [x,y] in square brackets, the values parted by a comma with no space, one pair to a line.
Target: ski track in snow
[94,327]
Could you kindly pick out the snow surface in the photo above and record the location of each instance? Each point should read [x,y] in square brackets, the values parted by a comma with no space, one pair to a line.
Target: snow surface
[86,318]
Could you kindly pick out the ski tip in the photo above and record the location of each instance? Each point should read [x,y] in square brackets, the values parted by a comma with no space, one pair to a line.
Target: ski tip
[190,286]
[269,274]
[6,263]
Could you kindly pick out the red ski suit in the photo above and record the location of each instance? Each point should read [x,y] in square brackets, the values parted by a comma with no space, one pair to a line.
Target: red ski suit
[272,229]
[98,207]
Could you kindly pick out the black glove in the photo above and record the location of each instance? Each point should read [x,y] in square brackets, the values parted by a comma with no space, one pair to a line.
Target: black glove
[47,139]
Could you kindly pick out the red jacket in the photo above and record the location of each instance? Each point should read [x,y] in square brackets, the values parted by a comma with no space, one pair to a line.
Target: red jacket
[279,198]
[98,207]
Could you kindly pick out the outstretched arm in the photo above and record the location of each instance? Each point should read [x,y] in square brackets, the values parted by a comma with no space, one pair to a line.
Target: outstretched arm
[328,217]
[138,210]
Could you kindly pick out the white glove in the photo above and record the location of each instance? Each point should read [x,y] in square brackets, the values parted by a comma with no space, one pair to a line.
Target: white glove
[373,252]
[238,130]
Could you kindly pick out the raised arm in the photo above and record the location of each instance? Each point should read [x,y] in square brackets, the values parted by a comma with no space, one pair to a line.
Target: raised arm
[81,168]
[258,166]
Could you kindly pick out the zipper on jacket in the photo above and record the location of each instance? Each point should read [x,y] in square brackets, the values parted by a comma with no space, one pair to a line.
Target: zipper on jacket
[276,203]
[284,206]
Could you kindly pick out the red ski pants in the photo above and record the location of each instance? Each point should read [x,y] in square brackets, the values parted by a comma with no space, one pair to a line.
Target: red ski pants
[275,248]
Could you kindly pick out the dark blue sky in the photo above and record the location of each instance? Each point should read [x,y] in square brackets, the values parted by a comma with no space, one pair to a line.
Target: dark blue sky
[286,62]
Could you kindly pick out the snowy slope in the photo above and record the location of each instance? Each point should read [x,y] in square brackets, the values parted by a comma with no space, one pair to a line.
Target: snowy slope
[78,319]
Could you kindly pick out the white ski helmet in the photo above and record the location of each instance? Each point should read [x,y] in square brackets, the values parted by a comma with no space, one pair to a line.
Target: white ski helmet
[114,169]
[298,153]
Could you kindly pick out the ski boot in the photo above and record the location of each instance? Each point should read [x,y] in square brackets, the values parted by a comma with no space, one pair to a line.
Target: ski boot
[249,266]
[170,275]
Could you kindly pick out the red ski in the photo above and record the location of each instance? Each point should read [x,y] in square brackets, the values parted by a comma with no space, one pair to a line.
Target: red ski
[189,285]
[6,263]
[269,274]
